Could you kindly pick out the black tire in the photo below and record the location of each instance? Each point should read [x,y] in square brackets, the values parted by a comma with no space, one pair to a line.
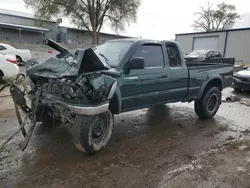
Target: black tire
[208,105]
[237,90]
[87,139]
[19,60]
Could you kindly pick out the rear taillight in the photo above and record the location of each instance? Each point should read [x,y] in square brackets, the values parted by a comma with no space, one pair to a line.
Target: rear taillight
[11,60]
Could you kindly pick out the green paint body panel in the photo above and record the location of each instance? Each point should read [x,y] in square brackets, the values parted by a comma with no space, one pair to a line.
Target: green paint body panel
[141,88]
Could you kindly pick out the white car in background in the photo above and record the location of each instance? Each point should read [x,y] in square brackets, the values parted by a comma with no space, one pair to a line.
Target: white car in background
[22,55]
[8,67]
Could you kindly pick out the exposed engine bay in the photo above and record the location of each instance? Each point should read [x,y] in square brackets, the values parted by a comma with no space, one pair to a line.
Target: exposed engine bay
[93,87]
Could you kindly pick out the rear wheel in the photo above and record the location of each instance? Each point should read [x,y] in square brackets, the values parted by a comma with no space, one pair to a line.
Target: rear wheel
[92,133]
[208,105]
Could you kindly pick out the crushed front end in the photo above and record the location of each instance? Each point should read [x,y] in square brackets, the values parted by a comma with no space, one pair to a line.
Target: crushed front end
[62,88]
[61,99]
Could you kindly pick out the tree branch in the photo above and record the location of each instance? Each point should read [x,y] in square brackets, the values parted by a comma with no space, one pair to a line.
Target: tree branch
[100,20]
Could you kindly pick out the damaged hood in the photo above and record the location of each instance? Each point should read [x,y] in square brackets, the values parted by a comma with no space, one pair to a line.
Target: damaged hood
[68,64]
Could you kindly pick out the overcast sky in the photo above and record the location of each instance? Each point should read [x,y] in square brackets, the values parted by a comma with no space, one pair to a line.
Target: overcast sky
[160,19]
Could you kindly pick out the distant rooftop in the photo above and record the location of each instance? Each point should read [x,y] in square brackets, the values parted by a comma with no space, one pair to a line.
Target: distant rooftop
[19,14]
[205,32]
[23,27]
[103,33]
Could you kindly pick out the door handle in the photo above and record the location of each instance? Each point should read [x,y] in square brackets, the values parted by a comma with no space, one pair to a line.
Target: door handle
[163,76]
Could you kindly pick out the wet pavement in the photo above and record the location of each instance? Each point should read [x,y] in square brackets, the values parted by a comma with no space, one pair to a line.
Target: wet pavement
[164,146]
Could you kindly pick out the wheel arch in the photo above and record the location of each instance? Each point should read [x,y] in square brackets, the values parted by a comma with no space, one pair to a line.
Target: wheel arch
[116,102]
[215,81]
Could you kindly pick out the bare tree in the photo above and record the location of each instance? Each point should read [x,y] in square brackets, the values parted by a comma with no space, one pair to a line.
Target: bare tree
[219,18]
[88,14]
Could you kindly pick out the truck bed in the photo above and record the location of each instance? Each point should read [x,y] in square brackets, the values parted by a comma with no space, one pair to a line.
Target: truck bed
[200,72]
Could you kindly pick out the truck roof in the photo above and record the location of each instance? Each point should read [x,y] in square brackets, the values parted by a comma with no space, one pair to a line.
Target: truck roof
[142,40]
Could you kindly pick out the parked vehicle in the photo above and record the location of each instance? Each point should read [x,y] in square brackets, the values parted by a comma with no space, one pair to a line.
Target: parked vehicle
[85,89]
[8,67]
[241,80]
[212,56]
[22,55]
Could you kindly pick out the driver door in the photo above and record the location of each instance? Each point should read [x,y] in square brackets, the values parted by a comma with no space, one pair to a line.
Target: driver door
[144,87]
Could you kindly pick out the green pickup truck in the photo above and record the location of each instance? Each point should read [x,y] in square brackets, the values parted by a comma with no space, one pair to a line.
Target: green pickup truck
[84,88]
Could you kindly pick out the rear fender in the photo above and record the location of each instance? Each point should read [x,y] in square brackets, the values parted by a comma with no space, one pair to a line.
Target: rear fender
[214,80]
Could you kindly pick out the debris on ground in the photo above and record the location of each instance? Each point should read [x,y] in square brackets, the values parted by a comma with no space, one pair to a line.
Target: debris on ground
[232,98]
[246,132]
[180,125]
[245,103]
[230,137]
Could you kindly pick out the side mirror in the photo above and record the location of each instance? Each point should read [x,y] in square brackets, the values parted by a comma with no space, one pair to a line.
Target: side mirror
[137,63]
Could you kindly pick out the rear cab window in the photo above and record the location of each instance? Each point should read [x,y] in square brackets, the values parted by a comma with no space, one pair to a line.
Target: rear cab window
[173,55]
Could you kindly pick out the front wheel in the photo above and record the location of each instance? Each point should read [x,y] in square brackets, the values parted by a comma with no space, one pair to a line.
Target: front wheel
[208,105]
[92,133]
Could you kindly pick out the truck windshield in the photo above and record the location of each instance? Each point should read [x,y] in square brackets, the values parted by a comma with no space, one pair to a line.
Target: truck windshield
[112,52]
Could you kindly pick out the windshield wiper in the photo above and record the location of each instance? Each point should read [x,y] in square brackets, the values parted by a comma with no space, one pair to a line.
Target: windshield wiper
[106,59]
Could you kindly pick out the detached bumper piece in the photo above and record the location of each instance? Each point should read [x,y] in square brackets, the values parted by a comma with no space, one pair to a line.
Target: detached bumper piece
[29,122]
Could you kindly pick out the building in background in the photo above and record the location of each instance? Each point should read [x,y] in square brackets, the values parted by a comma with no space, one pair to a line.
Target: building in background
[22,27]
[26,28]
[81,37]
[231,43]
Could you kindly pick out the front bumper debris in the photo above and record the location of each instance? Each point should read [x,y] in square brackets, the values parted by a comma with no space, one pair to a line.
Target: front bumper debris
[17,91]
[89,110]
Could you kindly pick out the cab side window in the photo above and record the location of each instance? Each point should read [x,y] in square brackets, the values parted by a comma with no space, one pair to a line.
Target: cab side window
[152,54]
[173,55]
